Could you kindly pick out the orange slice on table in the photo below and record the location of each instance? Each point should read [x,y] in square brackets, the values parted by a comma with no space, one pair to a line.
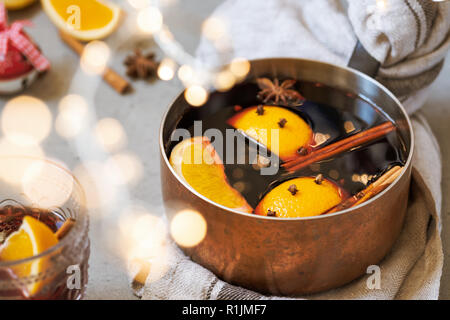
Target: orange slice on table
[32,238]
[83,19]
[294,134]
[17,4]
[196,161]
[310,199]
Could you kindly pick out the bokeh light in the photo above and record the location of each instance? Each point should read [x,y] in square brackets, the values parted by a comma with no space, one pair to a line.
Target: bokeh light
[125,168]
[240,67]
[188,228]
[196,95]
[142,233]
[47,185]
[138,4]
[13,168]
[73,113]
[166,69]
[167,3]
[150,20]
[165,35]
[382,4]
[110,134]
[96,182]
[214,28]
[26,120]
[95,57]
[143,242]
[224,81]
[185,73]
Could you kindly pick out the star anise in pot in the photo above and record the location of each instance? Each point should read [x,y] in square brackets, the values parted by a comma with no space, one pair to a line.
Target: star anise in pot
[140,66]
[279,94]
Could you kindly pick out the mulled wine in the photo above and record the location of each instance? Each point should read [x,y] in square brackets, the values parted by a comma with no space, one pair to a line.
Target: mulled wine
[331,114]
[44,244]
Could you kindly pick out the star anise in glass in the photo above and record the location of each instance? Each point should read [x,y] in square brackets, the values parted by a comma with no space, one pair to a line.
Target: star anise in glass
[276,93]
[140,66]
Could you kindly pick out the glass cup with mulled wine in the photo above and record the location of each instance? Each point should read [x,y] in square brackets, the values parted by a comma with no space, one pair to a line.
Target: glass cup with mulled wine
[44,244]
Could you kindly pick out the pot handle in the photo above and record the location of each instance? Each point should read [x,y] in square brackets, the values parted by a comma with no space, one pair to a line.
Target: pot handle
[362,61]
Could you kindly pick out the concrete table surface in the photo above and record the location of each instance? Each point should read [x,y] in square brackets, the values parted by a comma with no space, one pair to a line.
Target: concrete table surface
[140,114]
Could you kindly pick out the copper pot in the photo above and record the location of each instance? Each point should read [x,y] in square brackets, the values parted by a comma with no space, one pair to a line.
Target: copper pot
[299,255]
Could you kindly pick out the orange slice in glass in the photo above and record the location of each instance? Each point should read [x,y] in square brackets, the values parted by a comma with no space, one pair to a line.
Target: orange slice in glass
[83,19]
[292,135]
[32,238]
[308,198]
[196,161]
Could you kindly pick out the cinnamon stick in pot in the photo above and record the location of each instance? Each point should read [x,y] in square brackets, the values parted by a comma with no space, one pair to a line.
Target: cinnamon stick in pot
[372,190]
[340,146]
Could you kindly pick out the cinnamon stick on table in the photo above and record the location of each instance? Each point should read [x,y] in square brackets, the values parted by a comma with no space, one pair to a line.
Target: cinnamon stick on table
[110,76]
[340,146]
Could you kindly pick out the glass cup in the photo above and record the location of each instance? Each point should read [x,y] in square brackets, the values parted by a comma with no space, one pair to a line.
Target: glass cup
[51,194]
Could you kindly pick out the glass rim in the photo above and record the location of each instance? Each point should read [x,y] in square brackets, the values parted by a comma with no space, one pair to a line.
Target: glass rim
[79,222]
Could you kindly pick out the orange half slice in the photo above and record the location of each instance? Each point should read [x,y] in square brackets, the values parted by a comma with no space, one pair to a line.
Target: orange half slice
[83,19]
[309,199]
[292,135]
[32,238]
[196,161]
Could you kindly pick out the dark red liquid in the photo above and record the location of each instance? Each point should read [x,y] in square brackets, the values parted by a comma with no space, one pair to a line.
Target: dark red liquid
[11,218]
[326,110]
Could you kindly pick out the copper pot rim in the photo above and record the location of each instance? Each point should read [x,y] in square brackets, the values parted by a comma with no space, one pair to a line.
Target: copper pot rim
[342,212]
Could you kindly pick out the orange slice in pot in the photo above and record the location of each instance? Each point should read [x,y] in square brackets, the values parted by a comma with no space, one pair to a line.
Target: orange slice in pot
[83,19]
[196,161]
[300,197]
[259,123]
[32,239]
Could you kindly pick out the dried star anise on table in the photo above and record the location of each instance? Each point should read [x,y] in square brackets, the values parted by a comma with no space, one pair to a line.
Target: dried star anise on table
[140,66]
[276,93]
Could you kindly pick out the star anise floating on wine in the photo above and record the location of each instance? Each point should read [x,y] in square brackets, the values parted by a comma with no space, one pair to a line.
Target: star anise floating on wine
[275,93]
[141,66]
